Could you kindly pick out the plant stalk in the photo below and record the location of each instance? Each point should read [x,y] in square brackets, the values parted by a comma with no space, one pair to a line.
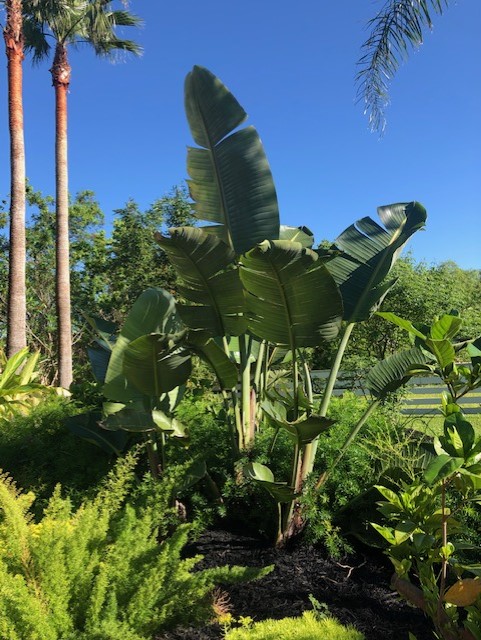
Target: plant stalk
[245,390]
[311,448]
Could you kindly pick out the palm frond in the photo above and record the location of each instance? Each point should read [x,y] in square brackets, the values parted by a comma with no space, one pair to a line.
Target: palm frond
[399,26]
[36,41]
[78,21]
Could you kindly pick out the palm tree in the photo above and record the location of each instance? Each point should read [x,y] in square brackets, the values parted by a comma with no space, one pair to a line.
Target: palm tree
[399,25]
[65,23]
[17,305]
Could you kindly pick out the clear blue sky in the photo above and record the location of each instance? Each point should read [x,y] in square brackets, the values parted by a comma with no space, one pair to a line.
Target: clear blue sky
[292,67]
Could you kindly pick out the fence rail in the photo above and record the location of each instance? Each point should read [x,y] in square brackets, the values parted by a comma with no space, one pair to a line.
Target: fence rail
[423,392]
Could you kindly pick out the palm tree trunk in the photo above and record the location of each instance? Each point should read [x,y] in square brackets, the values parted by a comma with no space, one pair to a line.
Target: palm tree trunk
[61,79]
[17,301]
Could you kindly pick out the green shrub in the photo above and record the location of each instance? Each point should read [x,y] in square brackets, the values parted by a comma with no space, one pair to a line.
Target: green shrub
[99,572]
[307,627]
[39,452]
[338,509]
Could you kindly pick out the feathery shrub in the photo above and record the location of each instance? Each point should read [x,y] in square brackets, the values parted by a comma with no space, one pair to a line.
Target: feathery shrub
[108,570]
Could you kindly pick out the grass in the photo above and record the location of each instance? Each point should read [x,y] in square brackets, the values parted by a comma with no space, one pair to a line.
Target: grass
[432,423]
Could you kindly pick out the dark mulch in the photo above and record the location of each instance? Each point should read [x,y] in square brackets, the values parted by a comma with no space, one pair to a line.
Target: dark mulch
[355,589]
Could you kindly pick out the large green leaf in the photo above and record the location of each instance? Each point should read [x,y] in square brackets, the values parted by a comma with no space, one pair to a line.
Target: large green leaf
[209,279]
[445,328]
[372,249]
[306,429]
[105,329]
[280,491]
[231,182]
[393,372]
[207,349]
[130,419]
[99,358]
[443,350]
[154,365]
[292,299]
[87,427]
[407,325]
[153,312]
[441,467]
[297,234]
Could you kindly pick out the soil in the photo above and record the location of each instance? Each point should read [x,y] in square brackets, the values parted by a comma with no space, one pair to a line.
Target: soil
[355,588]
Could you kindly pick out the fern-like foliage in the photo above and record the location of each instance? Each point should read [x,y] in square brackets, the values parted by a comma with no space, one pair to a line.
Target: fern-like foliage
[106,571]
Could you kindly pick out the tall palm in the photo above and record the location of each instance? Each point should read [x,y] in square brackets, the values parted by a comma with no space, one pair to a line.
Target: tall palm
[399,25]
[65,23]
[17,311]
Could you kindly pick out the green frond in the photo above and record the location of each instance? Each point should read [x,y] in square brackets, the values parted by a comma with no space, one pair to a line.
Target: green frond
[125,19]
[36,42]
[75,22]
[398,26]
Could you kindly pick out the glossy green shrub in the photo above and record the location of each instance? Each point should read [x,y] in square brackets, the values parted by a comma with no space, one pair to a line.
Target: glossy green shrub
[307,627]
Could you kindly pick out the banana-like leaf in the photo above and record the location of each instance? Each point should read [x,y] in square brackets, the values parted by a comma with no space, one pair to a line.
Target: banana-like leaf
[297,234]
[372,251]
[206,348]
[280,491]
[231,182]
[153,312]
[86,426]
[305,430]
[209,279]
[292,299]
[129,419]
[105,329]
[393,372]
[253,348]
[169,425]
[99,358]
[154,365]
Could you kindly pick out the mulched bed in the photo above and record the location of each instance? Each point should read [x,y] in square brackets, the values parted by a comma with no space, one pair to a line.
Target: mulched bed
[355,589]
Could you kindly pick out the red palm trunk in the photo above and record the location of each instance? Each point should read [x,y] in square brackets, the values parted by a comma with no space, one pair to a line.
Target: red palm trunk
[61,80]
[17,305]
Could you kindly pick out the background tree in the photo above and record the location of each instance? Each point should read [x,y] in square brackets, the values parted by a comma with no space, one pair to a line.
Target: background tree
[16,308]
[135,261]
[421,293]
[69,22]
[108,271]
[398,26]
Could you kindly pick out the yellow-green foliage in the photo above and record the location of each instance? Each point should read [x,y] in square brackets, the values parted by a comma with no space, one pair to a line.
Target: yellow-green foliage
[99,573]
[19,391]
[308,627]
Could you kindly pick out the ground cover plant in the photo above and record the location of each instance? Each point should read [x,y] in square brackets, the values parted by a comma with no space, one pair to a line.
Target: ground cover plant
[305,628]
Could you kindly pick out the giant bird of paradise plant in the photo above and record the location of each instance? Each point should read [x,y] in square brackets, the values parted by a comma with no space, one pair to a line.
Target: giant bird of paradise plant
[258,288]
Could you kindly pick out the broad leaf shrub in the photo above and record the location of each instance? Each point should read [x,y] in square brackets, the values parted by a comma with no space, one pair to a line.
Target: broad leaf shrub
[423,527]
[99,572]
[307,627]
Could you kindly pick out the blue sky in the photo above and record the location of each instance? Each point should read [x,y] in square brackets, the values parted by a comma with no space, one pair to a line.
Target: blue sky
[292,67]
